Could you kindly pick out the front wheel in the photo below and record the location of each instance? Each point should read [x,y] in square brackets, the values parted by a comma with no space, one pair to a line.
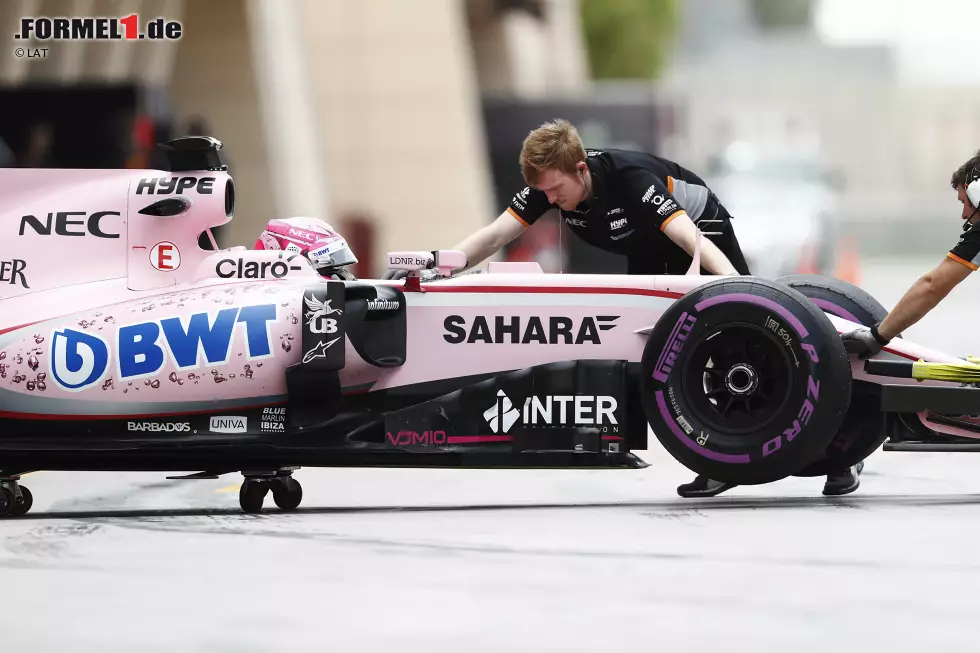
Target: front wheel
[745,381]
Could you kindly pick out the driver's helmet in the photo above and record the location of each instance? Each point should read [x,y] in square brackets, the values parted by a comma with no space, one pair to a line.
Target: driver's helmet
[326,249]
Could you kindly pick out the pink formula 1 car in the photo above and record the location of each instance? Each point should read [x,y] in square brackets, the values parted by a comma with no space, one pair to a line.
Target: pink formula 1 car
[129,341]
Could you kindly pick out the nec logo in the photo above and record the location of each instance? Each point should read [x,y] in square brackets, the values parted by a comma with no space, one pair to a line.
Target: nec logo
[66,223]
[575,222]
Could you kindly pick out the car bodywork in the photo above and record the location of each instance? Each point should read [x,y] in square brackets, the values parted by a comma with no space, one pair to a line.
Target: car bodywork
[127,345]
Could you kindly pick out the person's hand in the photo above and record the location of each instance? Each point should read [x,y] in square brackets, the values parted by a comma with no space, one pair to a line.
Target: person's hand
[424,275]
[862,342]
[394,275]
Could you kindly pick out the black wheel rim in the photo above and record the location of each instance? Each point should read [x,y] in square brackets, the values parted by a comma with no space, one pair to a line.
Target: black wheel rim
[738,378]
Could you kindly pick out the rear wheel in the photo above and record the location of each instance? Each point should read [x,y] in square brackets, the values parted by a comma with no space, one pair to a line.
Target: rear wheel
[863,430]
[744,380]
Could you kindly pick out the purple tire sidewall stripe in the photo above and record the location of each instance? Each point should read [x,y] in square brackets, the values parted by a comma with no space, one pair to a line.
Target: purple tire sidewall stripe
[761,301]
[835,309]
[694,446]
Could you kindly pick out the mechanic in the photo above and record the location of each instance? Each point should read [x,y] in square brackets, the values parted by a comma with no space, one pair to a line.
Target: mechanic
[932,287]
[639,205]
[314,239]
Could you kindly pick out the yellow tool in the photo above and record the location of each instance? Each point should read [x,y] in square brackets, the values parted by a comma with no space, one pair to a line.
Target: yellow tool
[957,373]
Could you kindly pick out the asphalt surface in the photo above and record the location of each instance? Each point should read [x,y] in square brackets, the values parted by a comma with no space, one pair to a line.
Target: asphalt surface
[494,560]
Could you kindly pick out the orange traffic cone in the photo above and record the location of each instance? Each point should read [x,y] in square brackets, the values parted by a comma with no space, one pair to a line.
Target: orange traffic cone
[848,263]
[808,261]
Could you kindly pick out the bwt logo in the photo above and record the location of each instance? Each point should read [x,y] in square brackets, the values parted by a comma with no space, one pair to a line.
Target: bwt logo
[79,360]
[675,343]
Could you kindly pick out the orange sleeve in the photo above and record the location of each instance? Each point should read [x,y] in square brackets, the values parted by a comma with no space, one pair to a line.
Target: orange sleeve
[517,217]
[958,259]
[671,217]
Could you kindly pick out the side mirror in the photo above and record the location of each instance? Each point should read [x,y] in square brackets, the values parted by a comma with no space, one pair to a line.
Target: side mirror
[449,260]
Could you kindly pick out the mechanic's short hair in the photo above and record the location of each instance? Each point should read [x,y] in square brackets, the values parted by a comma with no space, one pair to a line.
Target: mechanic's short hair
[555,144]
[963,172]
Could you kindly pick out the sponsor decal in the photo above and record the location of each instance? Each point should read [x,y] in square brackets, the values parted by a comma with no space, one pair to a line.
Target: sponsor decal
[559,411]
[319,350]
[12,272]
[614,211]
[168,185]
[273,420]
[560,330]
[165,256]
[241,269]
[45,28]
[617,224]
[576,222]
[80,360]
[333,245]
[414,261]
[316,315]
[69,223]
[593,152]
[223,424]
[675,344]
[303,234]
[383,305]
[415,438]
[323,334]
[650,191]
[623,235]
[159,427]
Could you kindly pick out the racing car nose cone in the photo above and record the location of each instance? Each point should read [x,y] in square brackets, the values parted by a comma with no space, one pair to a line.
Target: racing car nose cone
[742,379]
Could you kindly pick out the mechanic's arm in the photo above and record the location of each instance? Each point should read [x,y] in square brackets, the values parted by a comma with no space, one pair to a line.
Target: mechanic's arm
[488,240]
[682,230]
[923,296]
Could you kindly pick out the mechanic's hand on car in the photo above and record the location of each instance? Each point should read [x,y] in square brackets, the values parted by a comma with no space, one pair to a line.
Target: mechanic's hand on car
[864,342]
[394,275]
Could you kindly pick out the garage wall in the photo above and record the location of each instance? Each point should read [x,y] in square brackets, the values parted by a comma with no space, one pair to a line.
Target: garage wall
[213,77]
[398,110]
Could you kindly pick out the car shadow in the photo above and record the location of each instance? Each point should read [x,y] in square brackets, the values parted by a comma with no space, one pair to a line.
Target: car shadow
[679,505]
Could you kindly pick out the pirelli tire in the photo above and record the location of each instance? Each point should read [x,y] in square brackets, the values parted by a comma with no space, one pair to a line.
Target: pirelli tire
[745,380]
[863,430]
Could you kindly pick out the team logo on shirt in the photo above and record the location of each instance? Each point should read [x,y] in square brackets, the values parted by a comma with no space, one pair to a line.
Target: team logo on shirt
[617,224]
[668,207]
[521,198]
